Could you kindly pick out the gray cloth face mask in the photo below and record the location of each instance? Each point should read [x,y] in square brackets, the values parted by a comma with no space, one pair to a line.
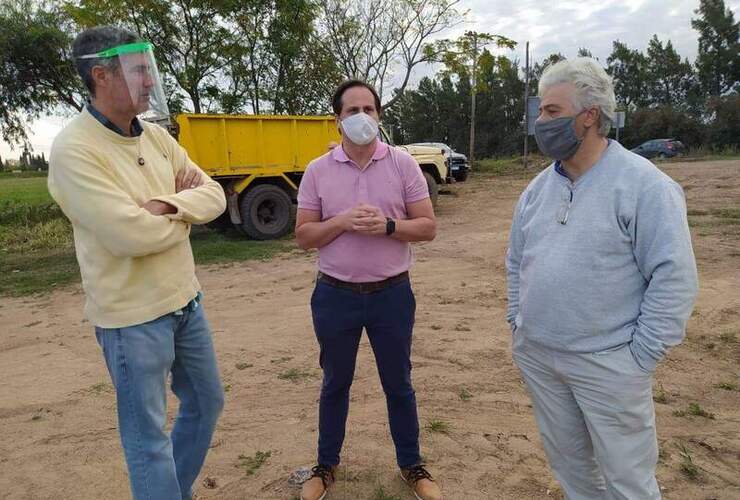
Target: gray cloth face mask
[557,137]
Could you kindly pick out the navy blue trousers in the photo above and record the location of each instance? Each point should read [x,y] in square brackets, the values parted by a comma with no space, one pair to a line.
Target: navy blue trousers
[339,315]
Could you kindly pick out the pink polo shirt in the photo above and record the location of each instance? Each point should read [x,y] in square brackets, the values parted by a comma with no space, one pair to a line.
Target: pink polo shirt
[333,184]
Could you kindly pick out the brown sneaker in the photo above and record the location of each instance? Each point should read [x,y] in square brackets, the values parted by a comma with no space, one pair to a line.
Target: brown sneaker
[421,483]
[316,486]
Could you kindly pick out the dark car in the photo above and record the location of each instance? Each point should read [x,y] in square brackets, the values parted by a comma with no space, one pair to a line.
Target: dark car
[457,162]
[662,148]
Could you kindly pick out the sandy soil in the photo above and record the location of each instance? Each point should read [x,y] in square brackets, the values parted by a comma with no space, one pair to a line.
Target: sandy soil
[57,410]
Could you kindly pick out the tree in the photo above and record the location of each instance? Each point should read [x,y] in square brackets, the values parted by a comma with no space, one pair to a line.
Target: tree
[718,58]
[501,103]
[383,40]
[664,121]
[36,73]
[463,56]
[628,69]
[584,52]
[189,38]
[724,130]
[669,79]
[536,71]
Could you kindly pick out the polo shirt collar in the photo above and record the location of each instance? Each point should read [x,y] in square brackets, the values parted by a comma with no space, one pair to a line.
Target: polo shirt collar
[136,128]
[381,150]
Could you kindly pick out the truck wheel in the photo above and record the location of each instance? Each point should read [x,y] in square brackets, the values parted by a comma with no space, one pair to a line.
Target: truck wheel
[433,188]
[266,212]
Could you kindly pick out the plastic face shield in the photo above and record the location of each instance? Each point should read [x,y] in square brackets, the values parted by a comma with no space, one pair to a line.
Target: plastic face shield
[139,74]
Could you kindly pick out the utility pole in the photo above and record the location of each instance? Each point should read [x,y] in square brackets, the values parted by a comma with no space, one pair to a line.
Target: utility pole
[526,106]
[472,98]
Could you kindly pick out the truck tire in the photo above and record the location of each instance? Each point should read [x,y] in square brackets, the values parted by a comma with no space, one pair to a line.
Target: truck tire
[433,188]
[266,212]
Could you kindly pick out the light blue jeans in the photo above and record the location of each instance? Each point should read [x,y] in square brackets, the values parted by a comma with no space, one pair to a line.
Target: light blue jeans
[139,360]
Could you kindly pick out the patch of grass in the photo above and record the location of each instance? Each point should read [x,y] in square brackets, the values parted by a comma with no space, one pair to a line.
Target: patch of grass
[40,257]
[227,388]
[439,426]
[24,189]
[18,213]
[513,166]
[380,494]
[101,388]
[661,396]
[251,464]
[465,395]
[436,327]
[243,366]
[53,234]
[211,247]
[35,272]
[281,360]
[688,467]
[696,410]
[727,386]
[294,375]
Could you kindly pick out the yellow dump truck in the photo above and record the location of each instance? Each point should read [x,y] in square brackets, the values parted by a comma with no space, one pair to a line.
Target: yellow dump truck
[260,160]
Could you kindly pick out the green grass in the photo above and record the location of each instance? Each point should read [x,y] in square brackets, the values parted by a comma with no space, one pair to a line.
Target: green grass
[696,410]
[510,166]
[661,396]
[381,494]
[465,395]
[37,250]
[252,464]
[34,272]
[212,247]
[688,467]
[23,189]
[294,375]
[438,426]
[727,386]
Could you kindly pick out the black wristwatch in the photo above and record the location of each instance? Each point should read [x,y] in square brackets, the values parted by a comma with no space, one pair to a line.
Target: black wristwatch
[390,226]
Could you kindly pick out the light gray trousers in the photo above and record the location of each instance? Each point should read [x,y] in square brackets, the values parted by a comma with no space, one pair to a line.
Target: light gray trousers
[596,418]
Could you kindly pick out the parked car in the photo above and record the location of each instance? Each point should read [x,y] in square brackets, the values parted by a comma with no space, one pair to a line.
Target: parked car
[458,163]
[662,148]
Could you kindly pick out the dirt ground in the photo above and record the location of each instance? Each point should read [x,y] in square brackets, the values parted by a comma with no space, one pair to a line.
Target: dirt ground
[57,410]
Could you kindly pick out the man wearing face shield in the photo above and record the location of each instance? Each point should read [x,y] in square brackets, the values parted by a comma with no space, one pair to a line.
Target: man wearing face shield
[132,194]
[360,205]
[601,282]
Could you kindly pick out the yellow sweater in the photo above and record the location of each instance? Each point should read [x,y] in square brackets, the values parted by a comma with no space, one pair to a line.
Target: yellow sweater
[135,266]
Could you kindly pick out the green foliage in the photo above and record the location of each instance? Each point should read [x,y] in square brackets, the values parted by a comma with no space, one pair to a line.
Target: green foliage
[36,72]
[628,68]
[663,122]
[718,58]
[251,464]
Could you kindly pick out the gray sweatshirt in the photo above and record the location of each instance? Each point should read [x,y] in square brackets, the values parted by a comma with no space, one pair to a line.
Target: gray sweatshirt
[620,269]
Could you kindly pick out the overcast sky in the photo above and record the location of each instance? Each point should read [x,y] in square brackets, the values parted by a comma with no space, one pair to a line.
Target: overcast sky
[549,25]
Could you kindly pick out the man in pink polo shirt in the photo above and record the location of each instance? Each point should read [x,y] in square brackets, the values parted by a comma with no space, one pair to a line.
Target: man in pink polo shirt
[360,205]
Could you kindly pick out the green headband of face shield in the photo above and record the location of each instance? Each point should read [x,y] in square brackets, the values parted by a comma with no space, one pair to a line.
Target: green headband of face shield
[129,48]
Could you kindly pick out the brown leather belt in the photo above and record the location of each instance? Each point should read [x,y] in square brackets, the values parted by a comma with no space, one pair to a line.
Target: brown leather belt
[367,287]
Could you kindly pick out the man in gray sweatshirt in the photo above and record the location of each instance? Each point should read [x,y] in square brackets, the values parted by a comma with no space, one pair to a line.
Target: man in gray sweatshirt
[601,282]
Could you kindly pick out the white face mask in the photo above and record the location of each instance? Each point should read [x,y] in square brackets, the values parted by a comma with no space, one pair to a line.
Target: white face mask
[360,128]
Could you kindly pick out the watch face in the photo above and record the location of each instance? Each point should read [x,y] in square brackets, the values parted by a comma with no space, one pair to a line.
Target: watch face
[390,226]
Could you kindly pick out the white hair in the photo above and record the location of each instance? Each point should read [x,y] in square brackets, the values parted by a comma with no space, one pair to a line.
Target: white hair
[594,87]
